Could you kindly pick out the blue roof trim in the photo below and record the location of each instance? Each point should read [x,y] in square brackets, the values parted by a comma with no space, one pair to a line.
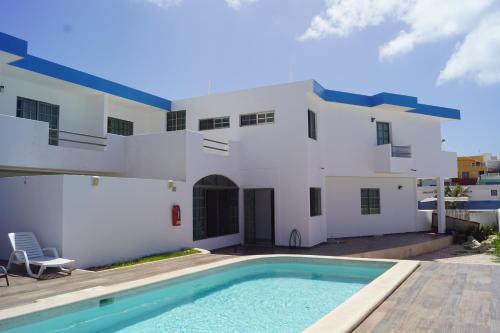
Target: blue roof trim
[480,204]
[13,45]
[18,46]
[437,111]
[385,98]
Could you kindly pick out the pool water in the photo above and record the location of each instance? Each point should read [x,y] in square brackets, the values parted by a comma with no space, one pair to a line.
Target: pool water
[271,295]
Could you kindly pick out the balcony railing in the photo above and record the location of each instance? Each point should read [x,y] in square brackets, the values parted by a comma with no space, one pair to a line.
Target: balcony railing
[401,151]
[80,140]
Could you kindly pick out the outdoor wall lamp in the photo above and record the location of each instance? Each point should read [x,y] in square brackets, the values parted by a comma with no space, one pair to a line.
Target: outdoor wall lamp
[2,87]
[373,119]
[171,186]
[95,180]
[400,187]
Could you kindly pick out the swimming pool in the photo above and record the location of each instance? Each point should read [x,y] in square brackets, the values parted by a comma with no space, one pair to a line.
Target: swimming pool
[264,294]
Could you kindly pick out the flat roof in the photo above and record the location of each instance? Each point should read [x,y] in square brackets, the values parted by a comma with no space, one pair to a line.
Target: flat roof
[29,62]
[405,101]
[19,48]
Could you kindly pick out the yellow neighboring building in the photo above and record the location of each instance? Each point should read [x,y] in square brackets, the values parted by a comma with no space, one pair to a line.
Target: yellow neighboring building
[471,166]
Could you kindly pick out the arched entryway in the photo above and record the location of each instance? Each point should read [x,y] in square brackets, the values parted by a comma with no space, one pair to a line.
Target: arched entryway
[215,207]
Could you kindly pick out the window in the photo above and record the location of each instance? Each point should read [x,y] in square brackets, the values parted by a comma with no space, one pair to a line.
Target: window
[383,133]
[213,123]
[120,126]
[465,174]
[370,201]
[215,207]
[315,201]
[311,121]
[36,110]
[176,120]
[494,193]
[258,118]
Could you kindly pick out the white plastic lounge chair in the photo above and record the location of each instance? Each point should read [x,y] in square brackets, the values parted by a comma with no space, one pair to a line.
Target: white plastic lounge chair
[27,251]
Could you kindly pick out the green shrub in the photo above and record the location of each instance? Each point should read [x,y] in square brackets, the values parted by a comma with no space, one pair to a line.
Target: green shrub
[496,245]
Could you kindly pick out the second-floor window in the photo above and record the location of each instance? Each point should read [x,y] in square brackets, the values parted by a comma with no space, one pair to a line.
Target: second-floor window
[311,124]
[37,110]
[213,123]
[120,127]
[258,118]
[176,120]
[494,193]
[383,133]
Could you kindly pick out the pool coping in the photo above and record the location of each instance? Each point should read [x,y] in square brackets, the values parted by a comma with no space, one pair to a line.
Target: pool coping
[345,318]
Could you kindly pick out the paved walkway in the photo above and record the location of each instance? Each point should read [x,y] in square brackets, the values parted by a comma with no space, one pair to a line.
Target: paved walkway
[440,297]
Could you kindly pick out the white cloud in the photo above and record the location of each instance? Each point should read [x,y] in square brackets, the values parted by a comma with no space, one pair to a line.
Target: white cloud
[478,56]
[425,21]
[341,17]
[237,4]
[430,21]
[163,3]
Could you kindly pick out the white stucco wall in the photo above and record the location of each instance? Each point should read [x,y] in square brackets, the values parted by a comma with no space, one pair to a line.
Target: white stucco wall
[95,225]
[398,207]
[24,145]
[271,155]
[349,142]
[146,119]
[31,204]
[81,110]
[278,156]
[483,192]
[157,156]
[474,192]
[122,219]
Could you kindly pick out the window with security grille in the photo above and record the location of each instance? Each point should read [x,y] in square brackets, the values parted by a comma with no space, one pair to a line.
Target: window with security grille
[258,118]
[176,120]
[213,123]
[42,111]
[120,127]
[370,201]
[383,133]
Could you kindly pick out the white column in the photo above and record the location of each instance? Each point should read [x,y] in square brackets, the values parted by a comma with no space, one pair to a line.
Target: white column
[441,208]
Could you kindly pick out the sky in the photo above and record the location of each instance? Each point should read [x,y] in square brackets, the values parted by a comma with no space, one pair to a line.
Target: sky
[445,52]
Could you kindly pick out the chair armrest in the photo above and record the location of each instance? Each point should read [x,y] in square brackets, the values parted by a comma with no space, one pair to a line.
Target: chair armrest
[50,251]
[21,254]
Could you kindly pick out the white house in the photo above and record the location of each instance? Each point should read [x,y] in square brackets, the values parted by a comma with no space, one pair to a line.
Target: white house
[95,168]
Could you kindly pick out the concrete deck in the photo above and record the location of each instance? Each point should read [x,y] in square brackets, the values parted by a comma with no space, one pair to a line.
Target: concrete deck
[396,246]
